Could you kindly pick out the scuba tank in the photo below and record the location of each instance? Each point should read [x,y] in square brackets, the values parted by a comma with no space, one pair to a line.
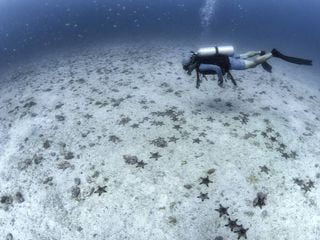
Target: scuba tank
[209,51]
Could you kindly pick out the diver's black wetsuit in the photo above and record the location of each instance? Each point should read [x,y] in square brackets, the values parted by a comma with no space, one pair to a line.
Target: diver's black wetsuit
[220,60]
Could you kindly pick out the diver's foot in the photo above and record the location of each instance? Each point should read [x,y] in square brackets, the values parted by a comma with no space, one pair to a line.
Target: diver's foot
[220,84]
[266,66]
[275,52]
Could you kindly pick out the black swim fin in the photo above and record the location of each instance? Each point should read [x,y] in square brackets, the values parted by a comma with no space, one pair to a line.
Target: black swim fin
[294,60]
[266,66]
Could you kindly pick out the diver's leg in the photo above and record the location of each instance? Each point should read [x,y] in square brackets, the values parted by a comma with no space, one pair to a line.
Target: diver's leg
[261,59]
[249,54]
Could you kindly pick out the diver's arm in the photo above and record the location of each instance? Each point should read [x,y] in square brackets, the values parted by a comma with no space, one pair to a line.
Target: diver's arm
[211,69]
[192,67]
[218,70]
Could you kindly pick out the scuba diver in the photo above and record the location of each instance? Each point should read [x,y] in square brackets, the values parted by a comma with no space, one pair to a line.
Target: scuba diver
[220,60]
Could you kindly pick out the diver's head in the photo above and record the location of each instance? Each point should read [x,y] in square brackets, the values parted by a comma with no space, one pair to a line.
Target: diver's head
[188,61]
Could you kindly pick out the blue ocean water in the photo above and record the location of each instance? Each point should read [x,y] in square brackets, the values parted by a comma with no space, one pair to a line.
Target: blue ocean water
[30,26]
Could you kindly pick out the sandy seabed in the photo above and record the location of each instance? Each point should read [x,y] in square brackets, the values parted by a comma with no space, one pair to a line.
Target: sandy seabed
[113,141]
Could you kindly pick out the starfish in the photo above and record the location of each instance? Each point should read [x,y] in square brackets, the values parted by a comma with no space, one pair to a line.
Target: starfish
[203,196]
[210,119]
[124,121]
[242,232]
[157,123]
[293,154]
[310,184]
[101,190]
[141,164]
[306,188]
[269,129]
[177,127]
[264,169]
[266,120]
[228,104]
[159,142]
[244,119]
[173,139]
[298,181]
[264,134]
[282,145]
[285,155]
[222,211]
[205,181]
[143,101]
[273,139]
[145,119]
[88,116]
[155,155]
[196,140]
[135,125]
[232,224]
[114,138]
[203,134]
[175,118]
[260,200]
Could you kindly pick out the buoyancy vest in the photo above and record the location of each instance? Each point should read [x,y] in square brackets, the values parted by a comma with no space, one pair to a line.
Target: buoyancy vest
[218,59]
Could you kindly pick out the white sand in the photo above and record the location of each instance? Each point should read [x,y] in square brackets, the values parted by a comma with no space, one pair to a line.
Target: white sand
[94,89]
